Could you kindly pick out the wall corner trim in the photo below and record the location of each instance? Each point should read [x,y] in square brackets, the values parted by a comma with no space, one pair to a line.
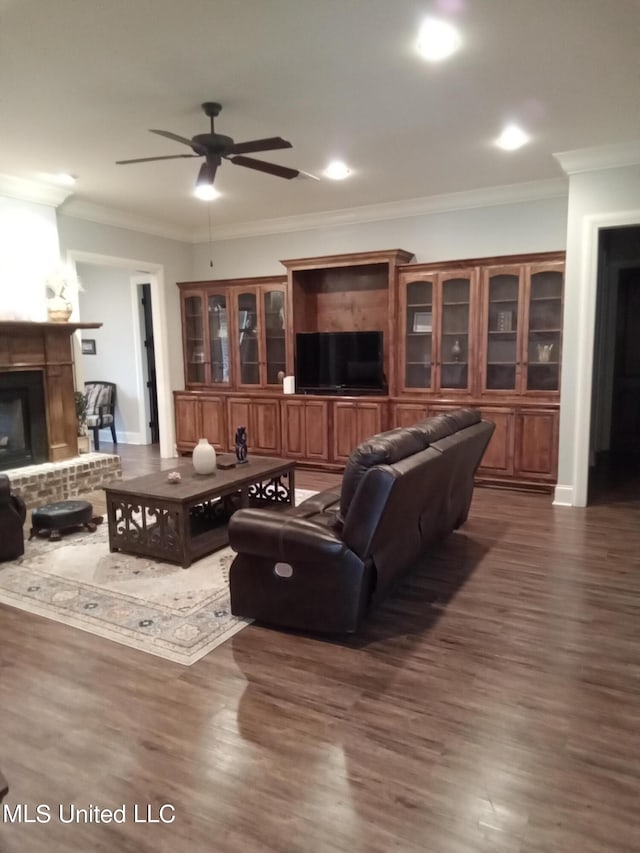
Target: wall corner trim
[603,157]
[563,496]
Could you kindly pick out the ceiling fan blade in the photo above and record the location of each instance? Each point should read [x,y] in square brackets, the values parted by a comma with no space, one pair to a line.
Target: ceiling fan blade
[149,159]
[174,136]
[253,145]
[269,168]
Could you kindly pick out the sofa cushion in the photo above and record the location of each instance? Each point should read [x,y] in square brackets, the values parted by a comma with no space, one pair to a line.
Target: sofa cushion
[382,449]
[433,429]
[463,418]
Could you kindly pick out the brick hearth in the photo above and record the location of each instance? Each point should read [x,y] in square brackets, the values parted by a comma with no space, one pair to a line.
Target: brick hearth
[51,481]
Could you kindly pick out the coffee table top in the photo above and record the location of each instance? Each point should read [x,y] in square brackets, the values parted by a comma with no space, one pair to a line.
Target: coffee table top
[191,485]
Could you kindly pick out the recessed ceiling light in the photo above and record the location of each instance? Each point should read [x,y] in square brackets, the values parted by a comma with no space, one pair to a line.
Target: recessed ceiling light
[337,170]
[437,39]
[511,138]
[206,192]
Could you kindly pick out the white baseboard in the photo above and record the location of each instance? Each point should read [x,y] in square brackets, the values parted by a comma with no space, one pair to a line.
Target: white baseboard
[563,496]
[123,437]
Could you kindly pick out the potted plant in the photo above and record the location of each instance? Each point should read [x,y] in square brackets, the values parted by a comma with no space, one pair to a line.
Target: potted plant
[81,419]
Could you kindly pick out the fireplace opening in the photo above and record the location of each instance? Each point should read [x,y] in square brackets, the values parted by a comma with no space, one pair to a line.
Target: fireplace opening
[23,420]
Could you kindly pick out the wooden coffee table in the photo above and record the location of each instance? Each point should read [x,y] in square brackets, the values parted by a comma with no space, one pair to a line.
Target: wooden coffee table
[180,523]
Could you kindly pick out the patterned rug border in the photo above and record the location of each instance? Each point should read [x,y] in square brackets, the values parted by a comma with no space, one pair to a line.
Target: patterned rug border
[182,633]
[135,640]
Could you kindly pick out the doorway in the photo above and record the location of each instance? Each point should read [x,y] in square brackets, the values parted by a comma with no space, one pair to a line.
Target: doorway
[149,359]
[614,474]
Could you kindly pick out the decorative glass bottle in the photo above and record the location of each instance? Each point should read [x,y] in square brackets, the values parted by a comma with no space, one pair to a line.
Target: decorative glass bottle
[204,457]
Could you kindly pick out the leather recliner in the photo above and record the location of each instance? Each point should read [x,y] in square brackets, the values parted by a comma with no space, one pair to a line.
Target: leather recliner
[12,516]
[320,566]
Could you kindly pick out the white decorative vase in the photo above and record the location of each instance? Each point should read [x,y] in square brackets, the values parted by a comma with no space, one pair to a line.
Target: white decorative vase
[58,309]
[204,457]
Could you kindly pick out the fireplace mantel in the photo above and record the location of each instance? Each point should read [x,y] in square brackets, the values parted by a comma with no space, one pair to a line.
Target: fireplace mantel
[8,327]
[47,346]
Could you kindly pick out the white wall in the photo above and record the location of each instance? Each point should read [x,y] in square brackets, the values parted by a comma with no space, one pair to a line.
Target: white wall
[597,199]
[505,229]
[28,254]
[106,298]
[168,261]
[82,236]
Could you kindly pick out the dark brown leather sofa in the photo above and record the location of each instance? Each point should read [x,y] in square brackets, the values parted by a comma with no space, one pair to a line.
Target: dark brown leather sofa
[320,566]
[12,516]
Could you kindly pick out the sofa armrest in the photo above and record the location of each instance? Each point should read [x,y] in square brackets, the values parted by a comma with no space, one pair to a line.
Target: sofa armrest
[277,536]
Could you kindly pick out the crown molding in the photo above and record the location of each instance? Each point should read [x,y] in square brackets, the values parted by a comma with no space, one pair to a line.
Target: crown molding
[80,209]
[487,197]
[38,192]
[603,157]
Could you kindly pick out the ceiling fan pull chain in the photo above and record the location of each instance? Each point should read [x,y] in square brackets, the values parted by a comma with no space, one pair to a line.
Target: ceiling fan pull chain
[210,237]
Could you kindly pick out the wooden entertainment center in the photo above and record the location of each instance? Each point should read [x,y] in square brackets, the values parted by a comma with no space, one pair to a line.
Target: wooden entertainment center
[483,332]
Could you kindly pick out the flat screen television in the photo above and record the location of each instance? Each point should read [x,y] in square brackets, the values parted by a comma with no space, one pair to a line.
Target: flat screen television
[340,362]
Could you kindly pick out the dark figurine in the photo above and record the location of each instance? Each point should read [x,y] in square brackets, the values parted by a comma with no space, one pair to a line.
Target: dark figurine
[241,444]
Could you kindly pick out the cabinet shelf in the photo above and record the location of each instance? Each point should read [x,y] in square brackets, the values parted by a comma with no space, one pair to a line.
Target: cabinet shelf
[513,332]
[546,299]
[542,363]
[426,305]
[455,304]
[545,331]
[513,301]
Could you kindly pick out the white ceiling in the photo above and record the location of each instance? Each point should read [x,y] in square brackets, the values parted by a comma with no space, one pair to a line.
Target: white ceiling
[82,81]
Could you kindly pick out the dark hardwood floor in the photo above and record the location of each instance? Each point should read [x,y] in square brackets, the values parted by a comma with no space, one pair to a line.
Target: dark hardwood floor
[492,704]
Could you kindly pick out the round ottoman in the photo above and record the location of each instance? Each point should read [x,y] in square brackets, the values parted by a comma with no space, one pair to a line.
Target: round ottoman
[54,519]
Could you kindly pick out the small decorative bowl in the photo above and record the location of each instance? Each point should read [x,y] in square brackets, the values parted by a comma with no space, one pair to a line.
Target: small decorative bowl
[174,476]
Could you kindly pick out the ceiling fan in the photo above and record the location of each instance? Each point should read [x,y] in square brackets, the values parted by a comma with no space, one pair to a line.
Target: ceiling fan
[215,147]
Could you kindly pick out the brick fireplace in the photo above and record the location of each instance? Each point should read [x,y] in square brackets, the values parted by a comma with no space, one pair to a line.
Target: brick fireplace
[38,430]
[37,390]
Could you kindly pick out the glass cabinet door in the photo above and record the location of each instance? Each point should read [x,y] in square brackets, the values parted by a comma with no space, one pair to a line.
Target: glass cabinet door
[218,338]
[248,349]
[544,333]
[454,333]
[502,331]
[194,339]
[419,335]
[274,334]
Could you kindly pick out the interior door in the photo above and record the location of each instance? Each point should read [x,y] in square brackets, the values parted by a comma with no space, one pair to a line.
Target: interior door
[152,388]
[625,419]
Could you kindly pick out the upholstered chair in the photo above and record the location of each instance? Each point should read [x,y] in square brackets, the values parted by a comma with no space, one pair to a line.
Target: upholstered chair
[101,404]
[12,515]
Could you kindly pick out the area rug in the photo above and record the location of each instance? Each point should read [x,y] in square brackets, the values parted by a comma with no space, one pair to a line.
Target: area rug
[162,609]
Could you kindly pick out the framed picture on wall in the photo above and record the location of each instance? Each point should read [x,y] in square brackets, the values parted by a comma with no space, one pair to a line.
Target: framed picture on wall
[88,346]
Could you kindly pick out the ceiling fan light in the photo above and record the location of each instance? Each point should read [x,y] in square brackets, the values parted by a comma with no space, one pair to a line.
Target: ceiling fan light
[206,192]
